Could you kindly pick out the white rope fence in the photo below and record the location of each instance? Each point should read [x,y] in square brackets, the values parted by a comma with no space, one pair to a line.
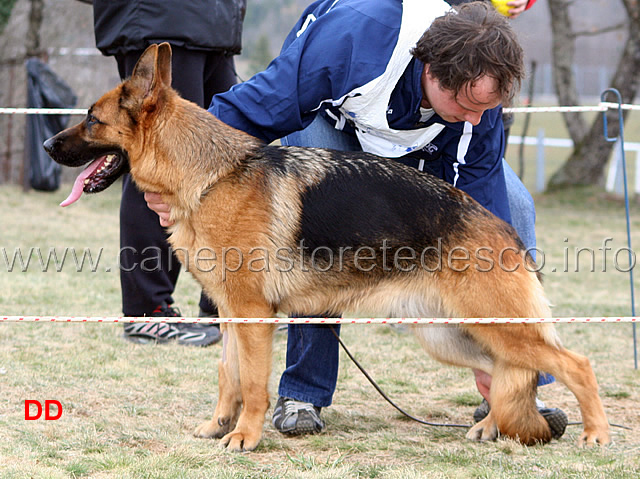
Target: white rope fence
[602,106]
[421,321]
[43,111]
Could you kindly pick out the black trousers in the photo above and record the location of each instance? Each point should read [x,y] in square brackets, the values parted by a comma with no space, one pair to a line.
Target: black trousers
[149,271]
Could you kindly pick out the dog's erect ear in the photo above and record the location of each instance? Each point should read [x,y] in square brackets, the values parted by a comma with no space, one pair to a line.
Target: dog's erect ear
[153,69]
[163,65]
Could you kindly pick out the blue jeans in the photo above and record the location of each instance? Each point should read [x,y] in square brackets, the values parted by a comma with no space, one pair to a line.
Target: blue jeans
[312,350]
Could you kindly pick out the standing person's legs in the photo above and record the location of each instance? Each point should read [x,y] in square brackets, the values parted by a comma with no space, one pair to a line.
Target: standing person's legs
[309,381]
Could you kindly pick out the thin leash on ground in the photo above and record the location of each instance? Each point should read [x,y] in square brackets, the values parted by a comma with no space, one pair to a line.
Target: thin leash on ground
[383,394]
[405,413]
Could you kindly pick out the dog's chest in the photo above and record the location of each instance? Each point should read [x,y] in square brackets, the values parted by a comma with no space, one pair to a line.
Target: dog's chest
[183,243]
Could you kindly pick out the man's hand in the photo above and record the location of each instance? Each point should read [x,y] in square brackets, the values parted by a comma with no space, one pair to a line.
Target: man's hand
[517,7]
[155,203]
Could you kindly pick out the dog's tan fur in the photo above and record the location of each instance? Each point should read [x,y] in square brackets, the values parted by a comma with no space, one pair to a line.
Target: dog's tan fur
[223,196]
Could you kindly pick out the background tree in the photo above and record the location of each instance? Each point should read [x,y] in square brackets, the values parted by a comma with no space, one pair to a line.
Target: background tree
[32,42]
[5,12]
[586,164]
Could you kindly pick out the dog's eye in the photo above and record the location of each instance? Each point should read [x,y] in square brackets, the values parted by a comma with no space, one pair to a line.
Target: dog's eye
[92,120]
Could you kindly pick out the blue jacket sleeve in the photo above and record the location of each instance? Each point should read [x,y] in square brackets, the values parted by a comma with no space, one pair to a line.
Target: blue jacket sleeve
[337,52]
[473,162]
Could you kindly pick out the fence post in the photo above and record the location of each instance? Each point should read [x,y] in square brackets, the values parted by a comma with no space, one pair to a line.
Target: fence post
[636,187]
[614,178]
[540,176]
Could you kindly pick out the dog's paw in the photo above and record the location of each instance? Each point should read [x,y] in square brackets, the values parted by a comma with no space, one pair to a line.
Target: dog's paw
[591,438]
[210,429]
[485,430]
[239,441]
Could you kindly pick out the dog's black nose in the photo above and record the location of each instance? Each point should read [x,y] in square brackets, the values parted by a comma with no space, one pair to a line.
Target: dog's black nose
[48,145]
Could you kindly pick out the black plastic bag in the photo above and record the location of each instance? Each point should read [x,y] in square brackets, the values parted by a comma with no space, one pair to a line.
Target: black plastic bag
[45,89]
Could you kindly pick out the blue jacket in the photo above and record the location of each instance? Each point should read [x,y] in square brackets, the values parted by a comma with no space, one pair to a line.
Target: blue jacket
[337,46]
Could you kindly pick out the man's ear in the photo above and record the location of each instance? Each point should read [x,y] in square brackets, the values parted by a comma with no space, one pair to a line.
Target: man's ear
[153,70]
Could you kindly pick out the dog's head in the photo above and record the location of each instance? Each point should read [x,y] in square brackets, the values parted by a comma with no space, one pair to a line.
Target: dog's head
[117,127]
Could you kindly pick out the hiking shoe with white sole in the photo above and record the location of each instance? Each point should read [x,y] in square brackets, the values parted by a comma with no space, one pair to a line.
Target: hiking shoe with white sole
[186,334]
[295,418]
[556,418]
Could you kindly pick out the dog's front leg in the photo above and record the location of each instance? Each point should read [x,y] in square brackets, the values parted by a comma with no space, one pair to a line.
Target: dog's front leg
[244,372]
[229,403]
[254,347]
[243,399]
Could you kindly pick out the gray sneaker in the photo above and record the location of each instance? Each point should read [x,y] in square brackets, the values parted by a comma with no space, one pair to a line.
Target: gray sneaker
[187,334]
[295,418]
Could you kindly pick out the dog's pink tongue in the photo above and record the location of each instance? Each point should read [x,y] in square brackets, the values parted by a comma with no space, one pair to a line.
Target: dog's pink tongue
[78,185]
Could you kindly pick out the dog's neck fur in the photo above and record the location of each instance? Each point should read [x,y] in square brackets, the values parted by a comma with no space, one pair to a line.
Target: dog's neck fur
[224,147]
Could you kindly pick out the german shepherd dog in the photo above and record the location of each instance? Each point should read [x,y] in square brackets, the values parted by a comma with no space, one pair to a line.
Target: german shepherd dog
[314,231]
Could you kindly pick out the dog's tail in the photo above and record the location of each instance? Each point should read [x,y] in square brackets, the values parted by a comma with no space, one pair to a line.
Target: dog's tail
[513,403]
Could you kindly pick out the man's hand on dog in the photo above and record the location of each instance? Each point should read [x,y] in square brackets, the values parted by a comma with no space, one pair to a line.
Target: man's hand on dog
[155,203]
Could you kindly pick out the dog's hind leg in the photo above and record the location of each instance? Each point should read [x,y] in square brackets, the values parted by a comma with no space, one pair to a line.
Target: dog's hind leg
[531,346]
[229,396]
[513,407]
[575,371]
[513,390]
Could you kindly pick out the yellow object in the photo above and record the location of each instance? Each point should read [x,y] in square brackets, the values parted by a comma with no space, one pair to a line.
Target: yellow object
[502,7]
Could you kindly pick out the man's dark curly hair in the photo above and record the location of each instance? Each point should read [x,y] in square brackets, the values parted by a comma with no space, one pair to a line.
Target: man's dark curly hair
[469,42]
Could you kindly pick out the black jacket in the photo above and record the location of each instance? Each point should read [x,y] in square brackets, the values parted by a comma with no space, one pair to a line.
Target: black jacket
[122,26]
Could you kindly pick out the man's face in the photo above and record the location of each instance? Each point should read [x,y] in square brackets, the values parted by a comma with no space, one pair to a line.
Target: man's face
[472,101]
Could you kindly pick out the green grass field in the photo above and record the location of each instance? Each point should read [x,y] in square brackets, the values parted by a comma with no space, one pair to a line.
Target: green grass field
[129,410]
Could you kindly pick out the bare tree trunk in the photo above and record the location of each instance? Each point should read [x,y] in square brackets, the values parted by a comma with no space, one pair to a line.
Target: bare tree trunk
[591,151]
[563,49]
[34,49]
